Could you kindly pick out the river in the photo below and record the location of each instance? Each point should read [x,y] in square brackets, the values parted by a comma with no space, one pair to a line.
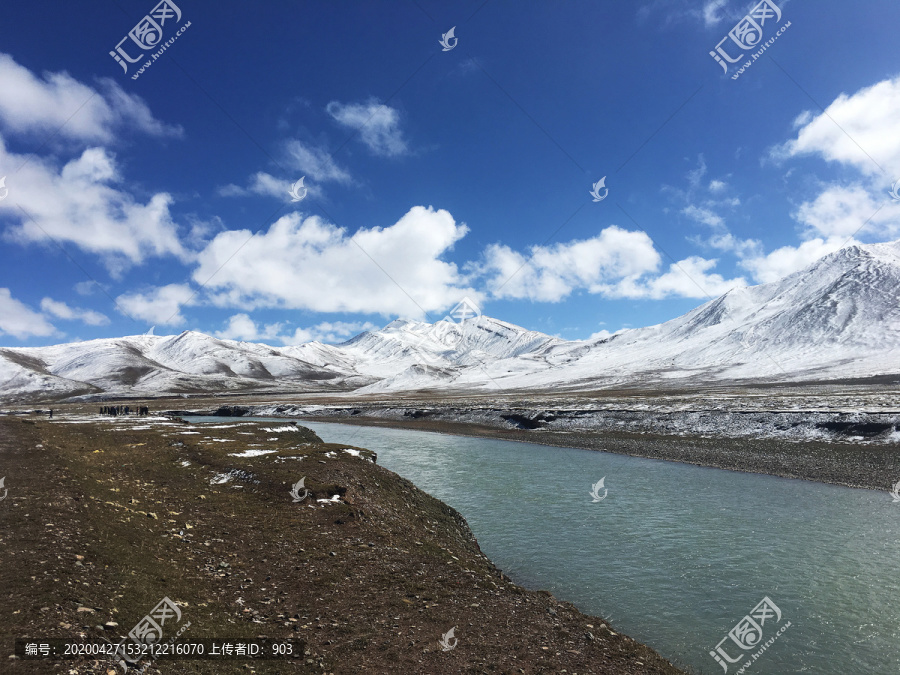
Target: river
[674,555]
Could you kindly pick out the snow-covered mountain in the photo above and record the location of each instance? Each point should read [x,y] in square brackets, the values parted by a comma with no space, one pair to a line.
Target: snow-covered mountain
[838,318]
[149,365]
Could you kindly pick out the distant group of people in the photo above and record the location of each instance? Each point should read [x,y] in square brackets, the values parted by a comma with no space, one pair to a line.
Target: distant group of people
[116,410]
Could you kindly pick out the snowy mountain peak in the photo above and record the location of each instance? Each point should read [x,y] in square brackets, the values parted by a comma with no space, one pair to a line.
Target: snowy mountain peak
[837,318]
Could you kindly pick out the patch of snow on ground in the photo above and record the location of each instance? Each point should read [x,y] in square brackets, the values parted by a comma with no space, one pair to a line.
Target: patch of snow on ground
[351,451]
[220,478]
[252,453]
[185,463]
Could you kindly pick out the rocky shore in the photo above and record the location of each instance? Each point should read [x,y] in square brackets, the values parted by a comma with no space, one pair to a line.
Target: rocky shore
[106,516]
[856,449]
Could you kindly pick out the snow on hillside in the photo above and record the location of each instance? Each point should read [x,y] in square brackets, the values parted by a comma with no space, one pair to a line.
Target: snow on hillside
[838,318]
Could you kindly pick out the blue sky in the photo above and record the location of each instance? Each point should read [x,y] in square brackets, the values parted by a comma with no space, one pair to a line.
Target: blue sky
[161,197]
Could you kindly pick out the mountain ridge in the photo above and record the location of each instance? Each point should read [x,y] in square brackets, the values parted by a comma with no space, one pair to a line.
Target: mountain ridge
[837,318]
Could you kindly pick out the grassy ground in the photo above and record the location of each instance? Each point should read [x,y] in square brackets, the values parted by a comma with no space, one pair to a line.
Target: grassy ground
[105,517]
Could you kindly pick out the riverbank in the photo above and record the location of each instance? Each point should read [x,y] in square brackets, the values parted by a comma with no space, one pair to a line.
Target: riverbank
[106,516]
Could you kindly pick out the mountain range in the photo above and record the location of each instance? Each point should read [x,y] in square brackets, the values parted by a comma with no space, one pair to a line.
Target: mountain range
[837,319]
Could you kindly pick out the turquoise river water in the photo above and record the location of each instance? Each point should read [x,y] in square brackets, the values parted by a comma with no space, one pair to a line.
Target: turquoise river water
[675,555]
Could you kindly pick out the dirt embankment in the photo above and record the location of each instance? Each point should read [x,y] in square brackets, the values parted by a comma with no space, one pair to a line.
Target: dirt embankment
[104,518]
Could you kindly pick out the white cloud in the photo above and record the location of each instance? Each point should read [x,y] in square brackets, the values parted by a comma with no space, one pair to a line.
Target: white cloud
[789,259]
[704,215]
[86,287]
[717,186]
[232,190]
[18,320]
[307,263]
[843,211]
[330,331]
[711,13]
[315,163]
[600,335]
[694,176]
[378,125]
[267,185]
[551,273]
[59,103]
[688,278]
[853,130]
[161,305]
[62,311]
[242,327]
[79,204]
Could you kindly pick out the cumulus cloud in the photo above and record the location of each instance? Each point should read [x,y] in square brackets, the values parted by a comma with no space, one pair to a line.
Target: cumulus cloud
[62,311]
[378,125]
[18,320]
[688,278]
[853,130]
[161,305]
[551,273]
[857,131]
[79,204]
[843,211]
[242,327]
[49,104]
[789,259]
[307,263]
